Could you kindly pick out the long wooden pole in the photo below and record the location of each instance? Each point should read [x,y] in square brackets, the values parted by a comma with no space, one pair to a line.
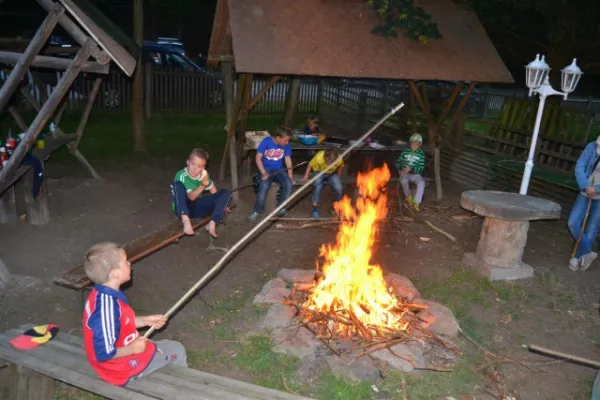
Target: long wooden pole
[10,58]
[221,263]
[553,353]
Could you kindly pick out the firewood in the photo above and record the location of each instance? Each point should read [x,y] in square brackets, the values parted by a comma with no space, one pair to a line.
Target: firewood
[304,287]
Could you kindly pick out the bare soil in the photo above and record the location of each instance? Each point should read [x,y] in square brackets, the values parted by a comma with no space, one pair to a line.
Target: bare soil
[558,309]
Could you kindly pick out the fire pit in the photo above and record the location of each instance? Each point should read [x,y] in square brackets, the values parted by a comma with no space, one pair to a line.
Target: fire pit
[346,316]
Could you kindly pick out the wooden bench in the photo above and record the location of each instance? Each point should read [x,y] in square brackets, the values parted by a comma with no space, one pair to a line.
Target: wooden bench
[75,278]
[36,371]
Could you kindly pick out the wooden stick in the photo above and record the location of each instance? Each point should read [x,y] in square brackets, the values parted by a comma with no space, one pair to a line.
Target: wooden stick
[240,243]
[435,228]
[565,356]
[305,226]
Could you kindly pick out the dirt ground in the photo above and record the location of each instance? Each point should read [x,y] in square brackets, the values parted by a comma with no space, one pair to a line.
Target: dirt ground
[557,309]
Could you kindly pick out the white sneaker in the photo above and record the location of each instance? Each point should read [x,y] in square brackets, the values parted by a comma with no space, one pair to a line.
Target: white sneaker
[587,260]
[574,264]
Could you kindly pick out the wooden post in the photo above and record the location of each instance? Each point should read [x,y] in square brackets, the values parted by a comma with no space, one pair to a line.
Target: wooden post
[36,44]
[38,212]
[245,113]
[8,207]
[413,112]
[42,116]
[292,99]
[319,95]
[28,384]
[361,115]
[148,92]
[5,275]
[137,95]
[86,113]
[227,73]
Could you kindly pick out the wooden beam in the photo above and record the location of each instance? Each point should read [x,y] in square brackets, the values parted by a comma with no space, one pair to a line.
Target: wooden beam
[245,110]
[76,33]
[413,112]
[11,58]
[227,87]
[42,116]
[22,66]
[233,161]
[449,104]
[86,114]
[461,106]
[117,53]
[74,150]
[424,107]
[263,91]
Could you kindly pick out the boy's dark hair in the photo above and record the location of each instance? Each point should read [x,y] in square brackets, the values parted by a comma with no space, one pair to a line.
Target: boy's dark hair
[313,118]
[283,131]
[200,153]
[330,155]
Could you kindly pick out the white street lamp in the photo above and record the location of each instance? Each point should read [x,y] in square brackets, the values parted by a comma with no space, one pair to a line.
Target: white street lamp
[536,73]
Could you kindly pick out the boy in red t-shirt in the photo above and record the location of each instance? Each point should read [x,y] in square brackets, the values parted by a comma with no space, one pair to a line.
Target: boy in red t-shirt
[112,343]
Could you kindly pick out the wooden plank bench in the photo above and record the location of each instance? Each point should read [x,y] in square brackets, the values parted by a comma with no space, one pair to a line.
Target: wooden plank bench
[36,371]
[75,278]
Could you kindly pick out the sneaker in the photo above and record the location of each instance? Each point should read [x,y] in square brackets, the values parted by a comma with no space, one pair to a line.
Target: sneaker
[410,200]
[282,213]
[574,264]
[253,217]
[416,207]
[315,213]
[587,260]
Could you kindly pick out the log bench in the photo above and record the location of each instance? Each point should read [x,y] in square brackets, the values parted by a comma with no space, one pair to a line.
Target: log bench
[62,359]
[76,279]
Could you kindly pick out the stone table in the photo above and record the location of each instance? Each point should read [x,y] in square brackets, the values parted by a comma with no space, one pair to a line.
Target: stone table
[504,232]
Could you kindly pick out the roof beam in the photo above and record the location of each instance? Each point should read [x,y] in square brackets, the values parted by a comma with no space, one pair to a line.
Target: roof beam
[23,63]
[75,32]
[11,58]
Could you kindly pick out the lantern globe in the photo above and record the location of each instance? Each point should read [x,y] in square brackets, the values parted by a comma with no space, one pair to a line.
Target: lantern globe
[570,76]
[535,72]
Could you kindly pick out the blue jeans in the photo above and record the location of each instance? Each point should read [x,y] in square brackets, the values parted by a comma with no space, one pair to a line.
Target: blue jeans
[591,229]
[207,204]
[264,186]
[334,182]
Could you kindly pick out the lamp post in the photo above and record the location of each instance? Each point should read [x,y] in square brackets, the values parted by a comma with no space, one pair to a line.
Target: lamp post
[536,75]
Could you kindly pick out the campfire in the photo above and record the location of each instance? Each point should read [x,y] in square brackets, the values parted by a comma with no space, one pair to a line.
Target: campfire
[349,298]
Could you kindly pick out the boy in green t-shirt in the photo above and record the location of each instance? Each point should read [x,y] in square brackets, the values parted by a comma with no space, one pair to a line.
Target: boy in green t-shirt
[195,194]
[410,166]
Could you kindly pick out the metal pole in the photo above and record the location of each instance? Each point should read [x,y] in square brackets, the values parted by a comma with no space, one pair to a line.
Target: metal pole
[266,220]
[536,131]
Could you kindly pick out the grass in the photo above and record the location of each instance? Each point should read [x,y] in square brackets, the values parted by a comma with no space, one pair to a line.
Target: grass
[108,135]
[484,125]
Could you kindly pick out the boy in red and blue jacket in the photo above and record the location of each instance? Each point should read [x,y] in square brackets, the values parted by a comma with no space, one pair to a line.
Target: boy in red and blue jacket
[113,346]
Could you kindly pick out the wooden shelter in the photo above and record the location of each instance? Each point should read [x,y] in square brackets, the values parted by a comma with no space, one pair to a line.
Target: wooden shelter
[334,39]
[100,43]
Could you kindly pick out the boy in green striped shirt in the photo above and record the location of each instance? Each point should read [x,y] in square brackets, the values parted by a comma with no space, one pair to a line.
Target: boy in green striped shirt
[410,166]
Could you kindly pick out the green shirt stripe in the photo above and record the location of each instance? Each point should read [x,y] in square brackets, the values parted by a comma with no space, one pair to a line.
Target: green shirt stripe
[413,159]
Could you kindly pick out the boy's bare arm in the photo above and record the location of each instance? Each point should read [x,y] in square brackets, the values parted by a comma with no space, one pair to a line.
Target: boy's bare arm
[307,173]
[156,320]
[340,171]
[193,195]
[137,346]
[260,166]
[288,164]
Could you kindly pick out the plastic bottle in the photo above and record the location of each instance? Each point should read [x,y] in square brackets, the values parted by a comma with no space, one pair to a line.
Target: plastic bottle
[52,127]
[10,144]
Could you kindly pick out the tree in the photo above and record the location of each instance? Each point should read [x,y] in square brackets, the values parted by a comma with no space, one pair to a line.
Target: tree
[403,15]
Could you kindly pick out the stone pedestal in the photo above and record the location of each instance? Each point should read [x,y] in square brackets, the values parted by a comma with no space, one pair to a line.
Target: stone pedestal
[504,233]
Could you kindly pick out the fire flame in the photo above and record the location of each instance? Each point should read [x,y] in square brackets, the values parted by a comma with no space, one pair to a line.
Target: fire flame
[352,287]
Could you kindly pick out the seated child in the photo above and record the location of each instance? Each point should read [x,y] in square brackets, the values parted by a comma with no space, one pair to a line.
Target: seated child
[410,166]
[195,194]
[312,127]
[334,174]
[113,346]
[270,156]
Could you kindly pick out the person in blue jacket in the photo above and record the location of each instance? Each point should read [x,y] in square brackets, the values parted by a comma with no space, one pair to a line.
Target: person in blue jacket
[587,175]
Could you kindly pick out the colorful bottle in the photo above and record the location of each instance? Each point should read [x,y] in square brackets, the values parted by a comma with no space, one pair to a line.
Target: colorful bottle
[52,127]
[10,144]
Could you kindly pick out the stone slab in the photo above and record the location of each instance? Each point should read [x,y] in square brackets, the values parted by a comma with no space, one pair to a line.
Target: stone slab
[494,273]
[273,292]
[509,206]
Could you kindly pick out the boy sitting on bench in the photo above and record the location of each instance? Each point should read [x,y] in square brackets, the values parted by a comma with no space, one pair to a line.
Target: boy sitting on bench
[113,346]
[195,194]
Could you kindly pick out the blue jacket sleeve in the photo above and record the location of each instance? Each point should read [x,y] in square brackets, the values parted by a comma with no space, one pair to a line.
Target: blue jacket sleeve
[588,156]
[105,323]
